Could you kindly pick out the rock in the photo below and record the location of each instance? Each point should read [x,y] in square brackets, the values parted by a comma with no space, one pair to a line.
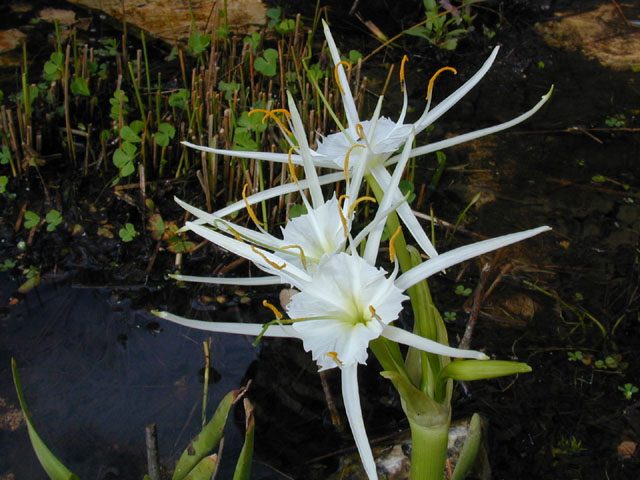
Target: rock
[170,21]
[601,34]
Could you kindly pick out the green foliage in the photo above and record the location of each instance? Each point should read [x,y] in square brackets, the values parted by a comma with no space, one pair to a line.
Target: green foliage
[31,219]
[8,264]
[180,99]
[165,133]
[54,468]
[118,105]
[440,28]
[53,219]
[130,134]
[109,47]
[254,39]
[576,356]
[54,67]
[128,232]
[4,180]
[198,43]
[628,389]
[123,159]
[461,290]
[616,121]
[449,317]
[79,87]
[297,210]
[407,188]
[228,88]
[267,63]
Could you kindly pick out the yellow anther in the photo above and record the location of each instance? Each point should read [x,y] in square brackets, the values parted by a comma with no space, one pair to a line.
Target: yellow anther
[337,77]
[360,131]
[346,159]
[342,219]
[271,307]
[405,59]
[292,169]
[392,244]
[273,264]
[435,75]
[272,114]
[361,199]
[374,314]
[334,356]
[249,209]
[303,259]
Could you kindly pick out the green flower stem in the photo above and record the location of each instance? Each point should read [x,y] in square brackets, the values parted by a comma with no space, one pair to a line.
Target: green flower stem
[428,450]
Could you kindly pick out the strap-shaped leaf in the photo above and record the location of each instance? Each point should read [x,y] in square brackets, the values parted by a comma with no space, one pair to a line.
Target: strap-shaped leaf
[243,466]
[208,438]
[54,467]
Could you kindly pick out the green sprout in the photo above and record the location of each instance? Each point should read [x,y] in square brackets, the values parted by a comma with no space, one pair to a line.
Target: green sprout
[575,356]
[461,290]
[628,389]
[53,219]
[449,317]
[7,265]
[128,232]
[31,219]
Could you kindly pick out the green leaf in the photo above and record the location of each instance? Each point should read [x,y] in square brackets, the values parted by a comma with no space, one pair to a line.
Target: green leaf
[266,64]
[204,469]
[54,219]
[5,155]
[165,133]
[244,140]
[157,226]
[207,439]
[243,466]
[129,135]
[31,219]
[198,43]
[467,370]
[470,449]
[297,210]
[286,26]
[128,233]
[79,87]
[54,468]
[180,99]
[4,180]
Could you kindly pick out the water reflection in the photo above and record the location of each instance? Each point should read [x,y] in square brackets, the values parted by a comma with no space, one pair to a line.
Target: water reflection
[95,372]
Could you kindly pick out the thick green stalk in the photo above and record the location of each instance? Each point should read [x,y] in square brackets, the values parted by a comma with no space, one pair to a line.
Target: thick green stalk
[428,450]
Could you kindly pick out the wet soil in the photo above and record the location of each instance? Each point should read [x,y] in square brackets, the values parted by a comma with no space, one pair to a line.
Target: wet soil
[571,166]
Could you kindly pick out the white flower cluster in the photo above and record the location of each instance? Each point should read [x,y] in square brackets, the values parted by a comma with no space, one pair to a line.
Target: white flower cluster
[343,300]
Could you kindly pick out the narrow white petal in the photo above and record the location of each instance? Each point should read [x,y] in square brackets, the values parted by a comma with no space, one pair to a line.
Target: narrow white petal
[254,329]
[309,169]
[253,281]
[449,142]
[416,341]
[383,177]
[458,255]
[351,398]
[347,97]
[429,117]
[268,156]
[277,191]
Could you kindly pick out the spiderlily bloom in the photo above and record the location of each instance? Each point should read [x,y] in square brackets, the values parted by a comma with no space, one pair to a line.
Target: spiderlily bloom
[371,144]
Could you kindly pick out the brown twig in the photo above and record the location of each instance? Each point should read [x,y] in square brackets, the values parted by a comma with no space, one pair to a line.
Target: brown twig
[477,302]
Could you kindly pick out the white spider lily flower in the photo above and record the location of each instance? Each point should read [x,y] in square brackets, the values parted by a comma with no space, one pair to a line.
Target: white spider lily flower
[340,307]
[369,145]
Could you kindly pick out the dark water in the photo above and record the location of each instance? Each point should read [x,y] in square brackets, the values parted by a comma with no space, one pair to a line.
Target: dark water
[95,372]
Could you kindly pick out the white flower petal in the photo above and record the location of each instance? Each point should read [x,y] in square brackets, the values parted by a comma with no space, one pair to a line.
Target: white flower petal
[400,335]
[351,398]
[254,329]
[252,281]
[458,255]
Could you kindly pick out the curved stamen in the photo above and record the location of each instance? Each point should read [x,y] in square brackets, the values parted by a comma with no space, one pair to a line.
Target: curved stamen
[273,264]
[292,170]
[303,259]
[342,219]
[361,199]
[248,207]
[405,59]
[335,73]
[435,75]
[392,245]
[346,159]
[334,356]
[273,308]
[374,315]
[360,132]
[272,114]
